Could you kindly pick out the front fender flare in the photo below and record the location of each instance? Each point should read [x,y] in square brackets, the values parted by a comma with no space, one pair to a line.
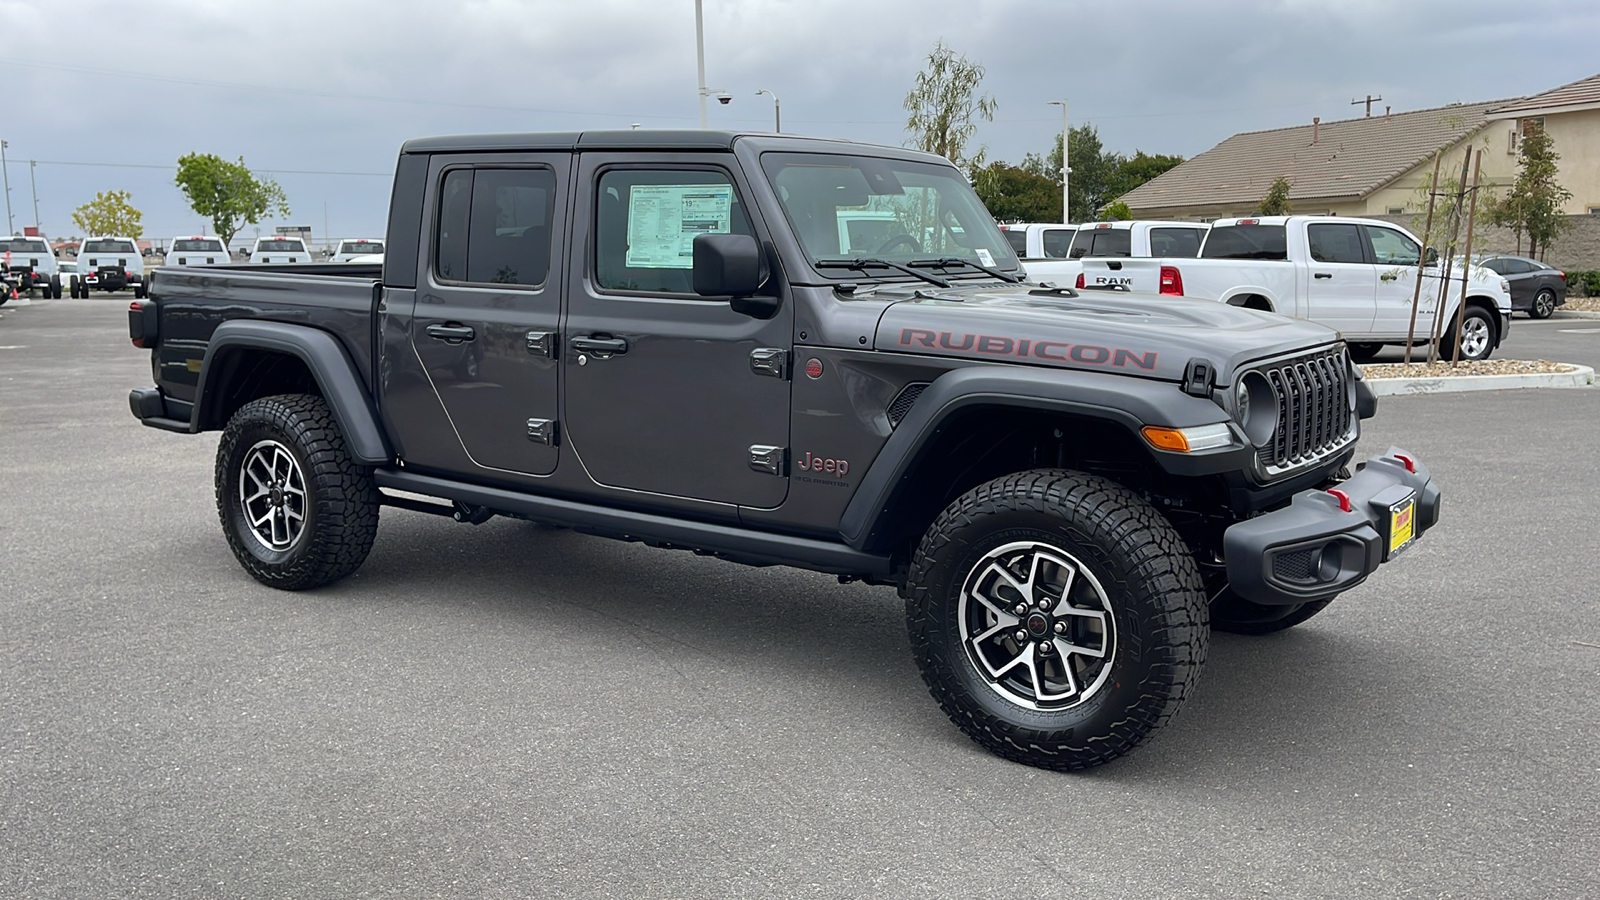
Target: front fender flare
[330,365]
[1128,401]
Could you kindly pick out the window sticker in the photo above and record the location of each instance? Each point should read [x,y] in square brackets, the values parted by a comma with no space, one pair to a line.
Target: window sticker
[663,220]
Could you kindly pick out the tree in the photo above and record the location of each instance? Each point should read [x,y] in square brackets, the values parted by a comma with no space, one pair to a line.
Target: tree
[1276,202]
[228,193]
[943,104]
[109,213]
[1015,194]
[1094,172]
[1140,168]
[1115,211]
[1534,202]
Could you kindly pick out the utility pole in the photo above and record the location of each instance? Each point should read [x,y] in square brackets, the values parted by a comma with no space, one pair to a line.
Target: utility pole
[10,228]
[39,227]
[1066,168]
[1368,102]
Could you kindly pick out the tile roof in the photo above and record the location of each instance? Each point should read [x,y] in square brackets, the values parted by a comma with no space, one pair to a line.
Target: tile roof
[1583,92]
[1351,158]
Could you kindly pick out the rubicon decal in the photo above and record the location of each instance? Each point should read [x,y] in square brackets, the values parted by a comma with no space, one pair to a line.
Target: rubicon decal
[1022,348]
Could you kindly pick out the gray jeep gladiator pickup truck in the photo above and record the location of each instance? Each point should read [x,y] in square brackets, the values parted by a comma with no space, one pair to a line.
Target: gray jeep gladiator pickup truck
[677,338]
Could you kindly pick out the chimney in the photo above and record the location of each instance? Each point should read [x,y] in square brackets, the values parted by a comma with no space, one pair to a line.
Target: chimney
[1386,112]
[1315,121]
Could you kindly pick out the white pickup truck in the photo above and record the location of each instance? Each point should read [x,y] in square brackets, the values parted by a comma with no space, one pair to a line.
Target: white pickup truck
[1039,240]
[1121,240]
[1354,275]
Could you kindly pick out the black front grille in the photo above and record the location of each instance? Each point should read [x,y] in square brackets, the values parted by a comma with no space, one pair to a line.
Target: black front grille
[903,401]
[1314,414]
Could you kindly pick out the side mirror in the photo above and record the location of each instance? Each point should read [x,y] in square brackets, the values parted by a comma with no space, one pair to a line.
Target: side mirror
[729,265]
[1432,259]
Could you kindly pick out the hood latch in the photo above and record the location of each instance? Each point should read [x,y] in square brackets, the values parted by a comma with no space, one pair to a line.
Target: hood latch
[1199,377]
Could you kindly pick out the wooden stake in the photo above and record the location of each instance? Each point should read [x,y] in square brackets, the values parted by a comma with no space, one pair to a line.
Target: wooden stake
[1466,264]
[1422,258]
[1436,333]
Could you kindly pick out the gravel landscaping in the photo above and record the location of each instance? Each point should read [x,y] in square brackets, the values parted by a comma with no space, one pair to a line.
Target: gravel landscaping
[1581,304]
[1467,367]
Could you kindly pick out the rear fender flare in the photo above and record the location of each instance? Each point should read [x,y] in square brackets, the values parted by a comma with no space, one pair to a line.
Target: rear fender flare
[329,364]
[1127,401]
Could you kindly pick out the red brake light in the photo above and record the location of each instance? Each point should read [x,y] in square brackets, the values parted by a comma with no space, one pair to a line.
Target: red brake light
[1171,281]
[1562,275]
[1103,225]
[1079,283]
[1342,497]
[1248,222]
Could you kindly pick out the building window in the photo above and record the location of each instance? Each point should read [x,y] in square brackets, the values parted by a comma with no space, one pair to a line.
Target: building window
[1397,210]
[1594,210]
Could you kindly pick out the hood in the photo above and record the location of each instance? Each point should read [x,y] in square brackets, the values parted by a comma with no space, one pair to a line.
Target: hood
[1146,335]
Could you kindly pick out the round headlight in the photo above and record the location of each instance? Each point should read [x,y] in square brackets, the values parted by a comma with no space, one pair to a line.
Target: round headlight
[1256,406]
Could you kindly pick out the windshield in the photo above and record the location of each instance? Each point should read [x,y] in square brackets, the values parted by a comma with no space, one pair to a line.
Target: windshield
[280,245]
[108,247]
[362,247]
[196,245]
[24,245]
[849,207]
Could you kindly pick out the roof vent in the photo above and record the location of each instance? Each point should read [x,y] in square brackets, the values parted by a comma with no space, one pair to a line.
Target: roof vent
[1316,121]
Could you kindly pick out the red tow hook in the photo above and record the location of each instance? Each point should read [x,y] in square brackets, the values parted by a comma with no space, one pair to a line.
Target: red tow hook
[1410,464]
[1342,497]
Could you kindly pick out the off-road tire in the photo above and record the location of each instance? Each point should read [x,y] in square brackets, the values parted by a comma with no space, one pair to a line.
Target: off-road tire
[1138,563]
[1544,304]
[340,507]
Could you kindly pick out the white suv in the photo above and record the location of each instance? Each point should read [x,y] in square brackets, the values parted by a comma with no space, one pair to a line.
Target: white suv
[353,247]
[198,250]
[30,265]
[110,264]
[280,248]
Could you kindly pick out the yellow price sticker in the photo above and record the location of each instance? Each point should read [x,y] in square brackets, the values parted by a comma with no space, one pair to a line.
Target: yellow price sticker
[1402,522]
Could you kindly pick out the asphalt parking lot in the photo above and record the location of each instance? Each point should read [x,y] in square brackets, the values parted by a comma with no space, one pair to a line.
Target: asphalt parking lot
[500,711]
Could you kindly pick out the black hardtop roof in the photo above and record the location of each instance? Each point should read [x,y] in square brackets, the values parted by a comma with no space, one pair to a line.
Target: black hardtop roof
[649,139]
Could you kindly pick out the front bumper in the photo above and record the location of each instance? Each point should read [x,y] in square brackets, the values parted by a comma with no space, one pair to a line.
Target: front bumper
[1315,548]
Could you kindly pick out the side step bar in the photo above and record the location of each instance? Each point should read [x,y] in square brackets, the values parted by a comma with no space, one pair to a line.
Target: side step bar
[754,548]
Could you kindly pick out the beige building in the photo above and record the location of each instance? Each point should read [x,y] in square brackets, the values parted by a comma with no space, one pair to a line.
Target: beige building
[1381,165]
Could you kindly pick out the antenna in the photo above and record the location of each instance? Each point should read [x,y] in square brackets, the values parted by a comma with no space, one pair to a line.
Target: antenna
[1368,102]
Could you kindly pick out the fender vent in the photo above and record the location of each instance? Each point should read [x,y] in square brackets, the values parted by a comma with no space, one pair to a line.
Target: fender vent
[903,402]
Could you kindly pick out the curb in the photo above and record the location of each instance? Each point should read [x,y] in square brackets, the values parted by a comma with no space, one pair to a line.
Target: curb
[1449,384]
[1574,314]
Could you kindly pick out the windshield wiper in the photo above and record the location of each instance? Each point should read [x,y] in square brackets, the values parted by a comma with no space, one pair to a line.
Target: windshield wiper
[867,262]
[945,262]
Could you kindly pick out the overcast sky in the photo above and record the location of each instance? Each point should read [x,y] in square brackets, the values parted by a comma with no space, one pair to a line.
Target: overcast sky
[109,94]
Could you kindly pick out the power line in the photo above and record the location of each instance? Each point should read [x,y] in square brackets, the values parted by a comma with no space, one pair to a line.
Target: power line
[174,167]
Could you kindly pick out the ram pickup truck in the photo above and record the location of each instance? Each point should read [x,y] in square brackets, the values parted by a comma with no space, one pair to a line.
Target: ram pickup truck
[1357,276]
[1039,240]
[1121,240]
[27,263]
[661,336]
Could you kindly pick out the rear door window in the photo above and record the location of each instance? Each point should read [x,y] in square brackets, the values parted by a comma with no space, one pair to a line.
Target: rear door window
[1057,242]
[1336,244]
[494,226]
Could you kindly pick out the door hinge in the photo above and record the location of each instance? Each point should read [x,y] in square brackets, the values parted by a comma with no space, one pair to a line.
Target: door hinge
[770,361]
[771,460]
[542,343]
[542,431]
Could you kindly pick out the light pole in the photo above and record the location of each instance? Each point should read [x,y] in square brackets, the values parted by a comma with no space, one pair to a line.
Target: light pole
[777,116]
[700,58]
[1066,216]
[10,228]
[37,225]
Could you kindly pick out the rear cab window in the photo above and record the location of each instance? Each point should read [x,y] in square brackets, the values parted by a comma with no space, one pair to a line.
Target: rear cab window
[108,246]
[280,245]
[1058,242]
[1180,242]
[1252,241]
[194,245]
[1102,242]
[361,247]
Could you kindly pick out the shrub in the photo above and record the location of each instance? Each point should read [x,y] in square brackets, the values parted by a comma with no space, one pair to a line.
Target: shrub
[1584,284]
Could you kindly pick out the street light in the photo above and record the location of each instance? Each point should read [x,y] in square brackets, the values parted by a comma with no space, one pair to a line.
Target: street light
[1065,169]
[10,227]
[777,117]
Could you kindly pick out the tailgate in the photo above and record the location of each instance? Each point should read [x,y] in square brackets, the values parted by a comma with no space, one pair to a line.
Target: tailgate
[1142,275]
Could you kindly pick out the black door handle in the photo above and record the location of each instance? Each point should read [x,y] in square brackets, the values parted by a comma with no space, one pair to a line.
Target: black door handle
[1321,274]
[453,333]
[599,345]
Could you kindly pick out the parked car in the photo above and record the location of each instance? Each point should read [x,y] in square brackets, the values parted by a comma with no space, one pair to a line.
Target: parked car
[1536,288]
[110,264]
[1354,275]
[1122,240]
[662,337]
[1039,240]
[349,248]
[31,265]
[279,249]
[197,250]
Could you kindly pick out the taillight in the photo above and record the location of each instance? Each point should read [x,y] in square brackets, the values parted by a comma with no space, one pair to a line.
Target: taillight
[1171,280]
[1562,275]
[136,324]
[1079,283]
